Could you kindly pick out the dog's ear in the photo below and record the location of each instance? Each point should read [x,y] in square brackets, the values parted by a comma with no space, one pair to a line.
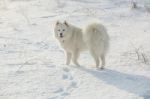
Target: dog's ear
[66,23]
[57,22]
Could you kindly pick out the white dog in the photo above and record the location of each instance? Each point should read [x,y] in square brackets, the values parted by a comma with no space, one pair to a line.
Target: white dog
[73,41]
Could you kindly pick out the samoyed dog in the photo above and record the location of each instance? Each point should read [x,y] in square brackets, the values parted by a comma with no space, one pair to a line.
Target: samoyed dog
[75,40]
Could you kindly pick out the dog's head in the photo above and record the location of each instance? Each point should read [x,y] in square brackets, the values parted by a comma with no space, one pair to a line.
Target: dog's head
[62,30]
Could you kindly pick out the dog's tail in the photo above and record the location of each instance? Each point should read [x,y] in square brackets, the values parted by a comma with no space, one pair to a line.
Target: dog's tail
[96,35]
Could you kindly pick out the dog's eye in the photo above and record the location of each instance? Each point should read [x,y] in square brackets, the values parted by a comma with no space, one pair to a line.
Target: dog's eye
[63,29]
[59,30]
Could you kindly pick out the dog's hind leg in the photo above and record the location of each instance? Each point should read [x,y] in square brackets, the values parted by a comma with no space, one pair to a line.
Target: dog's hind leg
[96,58]
[75,56]
[102,57]
[68,58]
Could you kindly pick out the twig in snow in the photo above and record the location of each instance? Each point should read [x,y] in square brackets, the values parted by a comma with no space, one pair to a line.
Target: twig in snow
[134,4]
[144,58]
[141,56]
[136,51]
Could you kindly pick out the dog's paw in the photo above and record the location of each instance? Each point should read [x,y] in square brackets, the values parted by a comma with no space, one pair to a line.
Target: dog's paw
[100,68]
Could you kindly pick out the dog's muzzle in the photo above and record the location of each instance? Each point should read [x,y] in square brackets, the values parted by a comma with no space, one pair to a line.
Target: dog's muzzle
[61,35]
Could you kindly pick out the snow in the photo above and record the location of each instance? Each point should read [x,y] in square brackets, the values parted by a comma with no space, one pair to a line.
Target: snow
[32,63]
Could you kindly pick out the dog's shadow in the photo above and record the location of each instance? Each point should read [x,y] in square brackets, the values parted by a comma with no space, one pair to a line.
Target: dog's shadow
[139,85]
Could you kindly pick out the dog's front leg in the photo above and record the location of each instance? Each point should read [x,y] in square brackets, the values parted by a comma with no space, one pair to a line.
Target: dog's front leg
[102,57]
[75,57]
[68,58]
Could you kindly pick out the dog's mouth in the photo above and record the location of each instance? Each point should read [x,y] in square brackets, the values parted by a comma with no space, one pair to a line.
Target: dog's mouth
[61,36]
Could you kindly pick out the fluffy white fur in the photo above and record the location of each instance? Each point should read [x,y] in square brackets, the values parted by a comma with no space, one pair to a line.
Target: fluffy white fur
[73,40]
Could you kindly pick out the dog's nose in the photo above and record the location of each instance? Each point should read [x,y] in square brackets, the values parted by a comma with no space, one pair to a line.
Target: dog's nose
[61,34]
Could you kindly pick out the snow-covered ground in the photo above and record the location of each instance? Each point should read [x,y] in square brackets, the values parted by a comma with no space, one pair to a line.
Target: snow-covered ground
[32,64]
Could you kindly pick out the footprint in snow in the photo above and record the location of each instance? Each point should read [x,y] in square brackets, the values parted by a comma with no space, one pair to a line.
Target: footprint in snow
[65,69]
[59,90]
[65,76]
[73,84]
[68,76]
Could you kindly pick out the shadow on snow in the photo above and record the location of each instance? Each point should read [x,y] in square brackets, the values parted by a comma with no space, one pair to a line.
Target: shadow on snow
[136,84]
